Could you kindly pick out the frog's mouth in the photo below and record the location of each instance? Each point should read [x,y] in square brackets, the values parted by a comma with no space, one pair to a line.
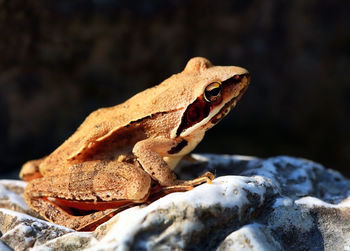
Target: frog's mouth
[244,79]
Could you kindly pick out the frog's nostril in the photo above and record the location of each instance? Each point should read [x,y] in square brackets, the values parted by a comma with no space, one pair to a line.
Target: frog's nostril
[237,77]
[241,78]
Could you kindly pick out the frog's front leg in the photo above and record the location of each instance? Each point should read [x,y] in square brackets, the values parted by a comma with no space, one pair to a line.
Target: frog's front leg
[150,153]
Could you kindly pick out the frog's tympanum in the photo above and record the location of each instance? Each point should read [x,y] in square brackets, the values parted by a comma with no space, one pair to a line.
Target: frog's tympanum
[124,155]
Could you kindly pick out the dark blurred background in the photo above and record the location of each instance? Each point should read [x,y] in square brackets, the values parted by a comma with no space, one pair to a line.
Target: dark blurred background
[60,60]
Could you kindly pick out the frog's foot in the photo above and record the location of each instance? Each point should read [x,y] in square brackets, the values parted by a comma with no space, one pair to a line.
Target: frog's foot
[183,186]
[87,222]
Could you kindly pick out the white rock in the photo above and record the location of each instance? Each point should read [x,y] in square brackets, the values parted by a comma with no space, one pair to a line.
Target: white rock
[280,203]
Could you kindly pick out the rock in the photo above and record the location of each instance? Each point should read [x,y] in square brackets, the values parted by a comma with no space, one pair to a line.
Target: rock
[21,231]
[11,195]
[250,237]
[280,203]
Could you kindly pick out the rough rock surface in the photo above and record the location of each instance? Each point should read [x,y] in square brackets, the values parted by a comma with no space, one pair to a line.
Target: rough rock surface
[280,203]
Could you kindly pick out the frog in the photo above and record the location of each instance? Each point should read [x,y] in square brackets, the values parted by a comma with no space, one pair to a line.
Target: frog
[125,155]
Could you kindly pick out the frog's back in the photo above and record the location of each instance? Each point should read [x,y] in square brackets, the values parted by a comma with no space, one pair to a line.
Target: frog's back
[105,122]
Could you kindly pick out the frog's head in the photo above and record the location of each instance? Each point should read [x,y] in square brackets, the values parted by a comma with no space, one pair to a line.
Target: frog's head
[214,91]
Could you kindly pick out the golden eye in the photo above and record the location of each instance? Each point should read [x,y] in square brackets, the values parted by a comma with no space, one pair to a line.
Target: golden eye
[212,92]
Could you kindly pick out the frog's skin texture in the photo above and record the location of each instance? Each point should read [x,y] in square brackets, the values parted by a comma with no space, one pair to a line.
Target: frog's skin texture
[125,154]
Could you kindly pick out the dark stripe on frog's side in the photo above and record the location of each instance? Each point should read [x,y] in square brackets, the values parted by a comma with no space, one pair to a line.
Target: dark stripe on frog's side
[154,115]
[178,147]
[196,112]
[88,152]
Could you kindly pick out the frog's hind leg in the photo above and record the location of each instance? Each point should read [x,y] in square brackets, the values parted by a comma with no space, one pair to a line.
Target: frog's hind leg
[87,197]
[87,222]
[30,170]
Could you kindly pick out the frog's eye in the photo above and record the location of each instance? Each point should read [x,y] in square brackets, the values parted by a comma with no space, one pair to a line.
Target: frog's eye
[212,92]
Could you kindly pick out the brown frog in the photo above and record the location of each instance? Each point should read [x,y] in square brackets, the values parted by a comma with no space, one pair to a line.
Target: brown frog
[124,155]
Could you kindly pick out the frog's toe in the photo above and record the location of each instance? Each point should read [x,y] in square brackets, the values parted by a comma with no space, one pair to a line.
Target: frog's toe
[30,170]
